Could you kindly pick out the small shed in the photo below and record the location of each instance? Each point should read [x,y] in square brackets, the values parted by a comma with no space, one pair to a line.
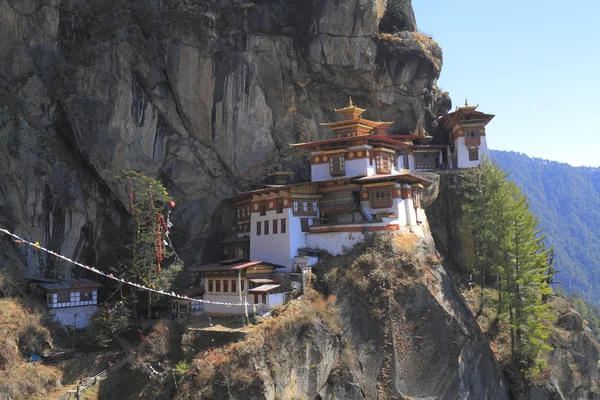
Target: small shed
[71,301]
[188,307]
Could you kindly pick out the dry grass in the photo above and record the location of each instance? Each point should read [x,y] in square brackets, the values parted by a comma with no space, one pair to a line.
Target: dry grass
[24,332]
[234,363]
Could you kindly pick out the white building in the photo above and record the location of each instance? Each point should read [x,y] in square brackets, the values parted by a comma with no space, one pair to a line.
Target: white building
[70,301]
[463,131]
[244,287]
[361,183]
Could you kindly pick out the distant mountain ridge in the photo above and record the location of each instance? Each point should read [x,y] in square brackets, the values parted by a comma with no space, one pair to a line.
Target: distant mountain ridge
[567,201]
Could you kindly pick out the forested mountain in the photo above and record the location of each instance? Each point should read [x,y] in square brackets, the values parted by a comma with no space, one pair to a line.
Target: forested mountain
[567,201]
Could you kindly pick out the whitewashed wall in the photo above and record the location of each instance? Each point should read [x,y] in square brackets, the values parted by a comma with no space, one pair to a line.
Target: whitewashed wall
[462,153]
[334,242]
[78,317]
[275,248]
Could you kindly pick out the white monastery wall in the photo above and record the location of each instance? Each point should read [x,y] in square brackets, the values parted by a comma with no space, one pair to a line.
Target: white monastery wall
[319,172]
[223,309]
[272,300]
[275,299]
[279,248]
[411,162]
[79,317]
[358,167]
[463,153]
[335,243]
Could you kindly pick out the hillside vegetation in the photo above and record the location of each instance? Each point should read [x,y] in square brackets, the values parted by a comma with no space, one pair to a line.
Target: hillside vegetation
[567,201]
[23,333]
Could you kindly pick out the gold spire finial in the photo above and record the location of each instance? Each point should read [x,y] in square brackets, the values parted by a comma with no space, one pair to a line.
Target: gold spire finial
[350,101]
[466,102]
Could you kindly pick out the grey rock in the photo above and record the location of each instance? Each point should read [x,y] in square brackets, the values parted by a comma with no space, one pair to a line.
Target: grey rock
[204,95]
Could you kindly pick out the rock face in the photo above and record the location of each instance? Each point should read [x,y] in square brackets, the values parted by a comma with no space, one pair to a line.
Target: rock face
[574,362]
[393,327]
[206,95]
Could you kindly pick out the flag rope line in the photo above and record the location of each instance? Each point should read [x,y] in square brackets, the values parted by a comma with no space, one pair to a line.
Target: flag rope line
[111,276]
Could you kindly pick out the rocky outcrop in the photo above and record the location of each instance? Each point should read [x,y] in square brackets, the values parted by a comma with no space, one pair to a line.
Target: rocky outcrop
[205,95]
[574,362]
[393,327]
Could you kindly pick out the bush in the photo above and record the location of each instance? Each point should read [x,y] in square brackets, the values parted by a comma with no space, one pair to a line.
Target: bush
[182,368]
[106,325]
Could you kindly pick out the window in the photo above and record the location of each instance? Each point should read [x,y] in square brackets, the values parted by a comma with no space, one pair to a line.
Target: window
[85,296]
[337,165]
[64,297]
[196,305]
[383,163]
[233,286]
[476,133]
[263,207]
[49,298]
[280,206]
[473,154]
[274,227]
[218,285]
[266,227]
[258,226]
[380,198]
[283,221]
[304,225]
[426,160]
[225,285]
[210,285]
[242,284]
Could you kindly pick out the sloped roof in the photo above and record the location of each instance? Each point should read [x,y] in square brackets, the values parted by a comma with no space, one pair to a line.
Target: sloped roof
[264,288]
[224,266]
[70,284]
[407,178]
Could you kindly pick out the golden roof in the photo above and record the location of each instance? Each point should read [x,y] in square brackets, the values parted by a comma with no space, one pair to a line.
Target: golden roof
[350,110]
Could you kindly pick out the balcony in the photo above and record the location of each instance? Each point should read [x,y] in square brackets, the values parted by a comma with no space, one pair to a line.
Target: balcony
[381,203]
[340,205]
[472,140]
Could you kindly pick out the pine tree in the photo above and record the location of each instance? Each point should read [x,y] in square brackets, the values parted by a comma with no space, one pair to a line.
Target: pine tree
[508,245]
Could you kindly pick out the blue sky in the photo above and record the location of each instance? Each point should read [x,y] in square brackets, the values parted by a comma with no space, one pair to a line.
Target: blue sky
[535,64]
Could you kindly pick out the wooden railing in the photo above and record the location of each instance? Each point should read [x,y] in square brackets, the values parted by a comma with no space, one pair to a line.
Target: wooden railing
[381,203]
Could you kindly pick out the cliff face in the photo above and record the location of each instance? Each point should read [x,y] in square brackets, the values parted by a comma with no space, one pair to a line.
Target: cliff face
[205,95]
[393,326]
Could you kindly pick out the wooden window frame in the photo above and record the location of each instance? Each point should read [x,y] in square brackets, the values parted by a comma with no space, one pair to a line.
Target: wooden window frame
[217,286]
[86,293]
[422,161]
[474,153]
[381,198]
[60,297]
[274,227]
[210,285]
[225,285]
[266,227]
[258,228]
[304,225]
[383,163]
[283,225]
[337,165]
[263,208]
